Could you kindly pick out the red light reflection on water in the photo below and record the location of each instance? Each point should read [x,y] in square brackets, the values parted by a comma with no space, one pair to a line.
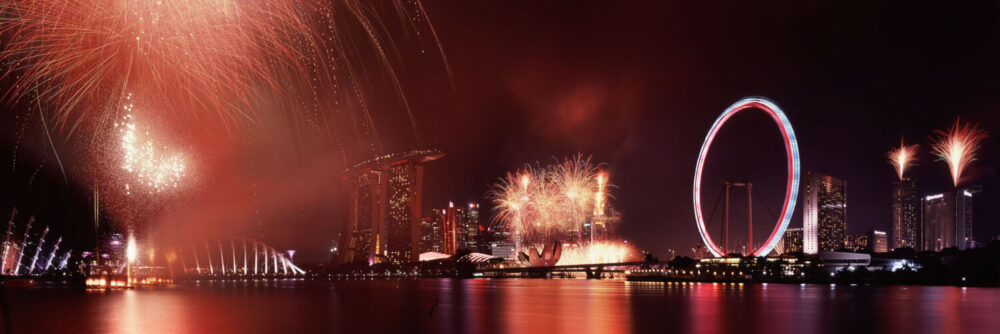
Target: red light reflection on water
[504,306]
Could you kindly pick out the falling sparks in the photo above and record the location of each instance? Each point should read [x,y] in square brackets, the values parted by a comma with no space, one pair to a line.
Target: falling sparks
[144,160]
[219,64]
[902,157]
[204,56]
[957,146]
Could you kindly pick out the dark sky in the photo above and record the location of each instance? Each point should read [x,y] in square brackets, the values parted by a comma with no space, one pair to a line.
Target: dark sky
[637,84]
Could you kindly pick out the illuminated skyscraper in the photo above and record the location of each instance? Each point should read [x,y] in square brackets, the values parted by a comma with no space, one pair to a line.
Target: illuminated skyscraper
[449,232]
[470,226]
[879,241]
[824,213]
[948,220]
[871,241]
[858,241]
[383,208]
[480,236]
[432,232]
[461,228]
[905,219]
[792,240]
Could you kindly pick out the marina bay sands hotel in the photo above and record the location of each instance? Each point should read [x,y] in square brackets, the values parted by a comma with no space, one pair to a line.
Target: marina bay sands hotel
[383,208]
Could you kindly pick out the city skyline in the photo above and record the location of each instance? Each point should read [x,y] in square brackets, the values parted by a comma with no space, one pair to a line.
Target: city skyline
[642,121]
[416,166]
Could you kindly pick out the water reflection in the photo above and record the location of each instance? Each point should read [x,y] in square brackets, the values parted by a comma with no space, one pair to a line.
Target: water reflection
[506,306]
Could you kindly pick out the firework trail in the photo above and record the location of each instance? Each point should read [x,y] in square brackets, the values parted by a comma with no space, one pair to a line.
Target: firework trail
[65,259]
[902,157]
[274,256]
[222,257]
[52,256]
[957,147]
[38,250]
[6,241]
[194,251]
[24,246]
[208,251]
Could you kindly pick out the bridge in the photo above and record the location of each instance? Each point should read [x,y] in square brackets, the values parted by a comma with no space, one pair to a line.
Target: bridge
[593,270]
[727,269]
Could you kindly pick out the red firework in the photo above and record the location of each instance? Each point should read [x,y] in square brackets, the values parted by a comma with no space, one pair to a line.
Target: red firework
[198,56]
[902,157]
[957,146]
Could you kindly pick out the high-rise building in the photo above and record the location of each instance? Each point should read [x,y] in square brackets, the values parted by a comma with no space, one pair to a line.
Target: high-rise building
[461,228]
[824,213]
[948,220]
[472,227]
[858,241]
[871,241]
[905,219]
[426,236]
[791,242]
[432,232]
[879,241]
[383,208]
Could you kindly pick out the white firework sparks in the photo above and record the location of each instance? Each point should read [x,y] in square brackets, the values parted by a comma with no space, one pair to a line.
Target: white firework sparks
[548,201]
[148,163]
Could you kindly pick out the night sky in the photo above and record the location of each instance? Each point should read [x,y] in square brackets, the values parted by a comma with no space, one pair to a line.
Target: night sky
[637,86]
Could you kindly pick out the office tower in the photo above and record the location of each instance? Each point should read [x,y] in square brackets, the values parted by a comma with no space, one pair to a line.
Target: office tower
[432,232]
[792,240]
[472,227]
[871,241]
[858,242]
[462,228]
[824,213]
[450,230]
[948,220]
[879,241]
[905,218]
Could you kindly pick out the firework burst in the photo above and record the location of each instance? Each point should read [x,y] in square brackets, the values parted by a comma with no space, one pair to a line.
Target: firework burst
[902,157]
[145,160]
[293,65]
[543,203]
[957,147]
[512,198]
[86,56]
